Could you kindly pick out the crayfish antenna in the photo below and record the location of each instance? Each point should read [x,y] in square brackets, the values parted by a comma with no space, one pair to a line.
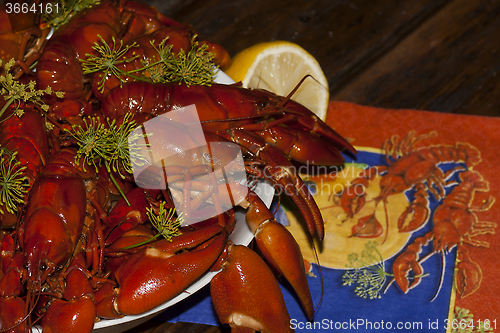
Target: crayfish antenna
[297,86]
[294,90]
[441,277]
[322,280]
[29,306]
[386,222]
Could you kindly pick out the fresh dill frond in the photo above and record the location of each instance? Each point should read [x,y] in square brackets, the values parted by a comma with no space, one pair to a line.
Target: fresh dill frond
[49,126]
[192,68]
[14,184]
[93,142]
[369,277]
[156,73]
[16,92]
[63,10]
[18,113]
[108,60]
[165,221]
[122,145]
[100,144]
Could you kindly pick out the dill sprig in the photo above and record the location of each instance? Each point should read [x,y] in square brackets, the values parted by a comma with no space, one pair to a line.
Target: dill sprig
[108,60]
[93,141]
[369,277]
[123,145]
[14,184]
[165,222]
[16,92]
[63,10]
[99,144]
[192,68]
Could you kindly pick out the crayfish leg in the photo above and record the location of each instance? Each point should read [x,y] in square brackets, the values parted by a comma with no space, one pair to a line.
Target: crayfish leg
[280,249]
[75,311]
[279,170]
[282,252]
[12,305]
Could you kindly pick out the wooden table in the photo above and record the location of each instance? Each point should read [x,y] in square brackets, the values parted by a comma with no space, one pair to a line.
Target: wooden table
[437,55]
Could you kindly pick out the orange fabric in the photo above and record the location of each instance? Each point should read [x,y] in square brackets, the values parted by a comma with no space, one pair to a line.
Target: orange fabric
[370,127]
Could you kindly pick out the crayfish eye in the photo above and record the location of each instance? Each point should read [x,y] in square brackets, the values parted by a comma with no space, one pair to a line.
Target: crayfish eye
[261,104]
[43,267]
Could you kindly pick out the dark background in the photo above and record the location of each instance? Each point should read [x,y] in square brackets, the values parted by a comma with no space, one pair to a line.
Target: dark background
[437,55]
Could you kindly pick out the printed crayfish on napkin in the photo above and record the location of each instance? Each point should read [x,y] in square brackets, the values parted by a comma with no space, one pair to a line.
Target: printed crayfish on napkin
[419,171]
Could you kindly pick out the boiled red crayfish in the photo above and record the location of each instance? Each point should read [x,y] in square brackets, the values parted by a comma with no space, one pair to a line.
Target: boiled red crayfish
[248,118]
[30,141]
[53,226]
[409,167]
[454,224]
[60,63]
[204,245]
[22,42]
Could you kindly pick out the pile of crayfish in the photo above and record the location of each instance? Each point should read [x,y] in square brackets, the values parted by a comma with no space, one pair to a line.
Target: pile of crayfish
[79,236]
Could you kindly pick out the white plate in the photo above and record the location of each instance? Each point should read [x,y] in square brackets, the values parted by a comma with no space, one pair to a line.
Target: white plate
[241,235]
[221,77]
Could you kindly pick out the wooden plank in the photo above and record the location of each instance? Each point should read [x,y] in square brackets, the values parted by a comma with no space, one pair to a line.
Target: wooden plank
[157,326]
[168,7]
[449,64]
[344,36]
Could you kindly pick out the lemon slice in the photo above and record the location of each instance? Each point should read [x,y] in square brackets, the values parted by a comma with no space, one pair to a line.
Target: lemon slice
[279,66]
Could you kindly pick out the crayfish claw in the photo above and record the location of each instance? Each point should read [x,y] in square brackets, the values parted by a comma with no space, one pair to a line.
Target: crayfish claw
[401,269]
[367,227]
[406,262]
[417,213]
[469,274]
[247,296]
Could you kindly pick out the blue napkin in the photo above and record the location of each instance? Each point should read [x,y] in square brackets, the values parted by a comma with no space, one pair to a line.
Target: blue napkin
[341,308]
